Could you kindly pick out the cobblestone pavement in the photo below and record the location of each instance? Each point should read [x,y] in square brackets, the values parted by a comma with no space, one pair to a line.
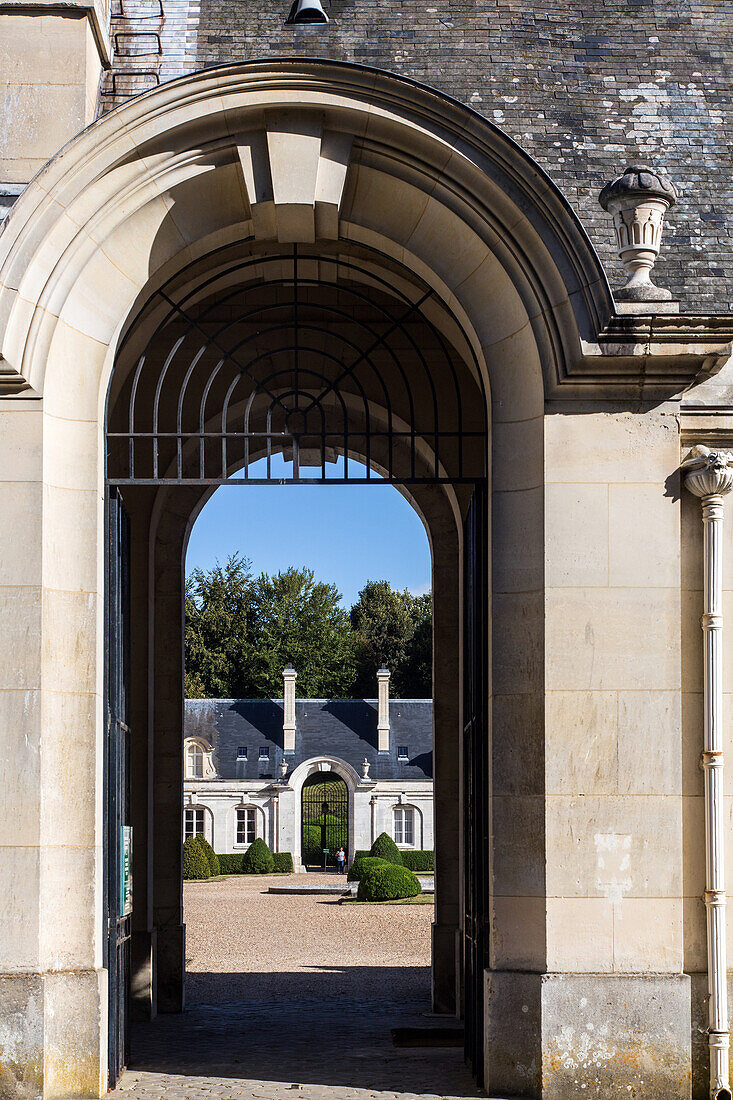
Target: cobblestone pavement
[295,1002]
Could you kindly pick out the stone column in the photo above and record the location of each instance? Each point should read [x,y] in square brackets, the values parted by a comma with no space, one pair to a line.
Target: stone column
[709,476]
[289,678]
[383,675]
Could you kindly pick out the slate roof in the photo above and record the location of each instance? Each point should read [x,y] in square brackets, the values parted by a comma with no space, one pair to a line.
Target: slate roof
[344,728]
[584,86]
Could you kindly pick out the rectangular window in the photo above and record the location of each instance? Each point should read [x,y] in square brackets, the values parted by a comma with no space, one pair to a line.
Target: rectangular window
[193,823]
[404,826]
[246,824]
[408,831]
[242,752]
[264,752]
[403,752]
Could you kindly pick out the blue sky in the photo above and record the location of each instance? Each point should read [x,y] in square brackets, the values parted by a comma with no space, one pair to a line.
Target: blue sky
[347,534]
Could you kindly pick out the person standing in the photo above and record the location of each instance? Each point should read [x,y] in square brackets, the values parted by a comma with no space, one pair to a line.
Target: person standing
[340,861]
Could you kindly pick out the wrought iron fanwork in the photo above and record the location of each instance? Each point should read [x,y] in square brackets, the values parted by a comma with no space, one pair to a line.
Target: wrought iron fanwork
[325,818]
[308,356]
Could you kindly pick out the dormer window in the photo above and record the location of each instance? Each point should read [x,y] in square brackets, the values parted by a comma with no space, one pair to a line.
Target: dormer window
[242,752]
[194,761]
[264,752]
[403,752]
[198,759]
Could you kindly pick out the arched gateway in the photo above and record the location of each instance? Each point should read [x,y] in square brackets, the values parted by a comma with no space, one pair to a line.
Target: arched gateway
[317,260]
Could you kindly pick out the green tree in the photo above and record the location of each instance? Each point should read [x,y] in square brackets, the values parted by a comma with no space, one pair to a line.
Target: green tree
[393,628]
[296,619]
[241,632]
[217,630]
[415,674]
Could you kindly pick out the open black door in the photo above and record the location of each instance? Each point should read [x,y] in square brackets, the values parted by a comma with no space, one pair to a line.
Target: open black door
[117,755]
[476,779]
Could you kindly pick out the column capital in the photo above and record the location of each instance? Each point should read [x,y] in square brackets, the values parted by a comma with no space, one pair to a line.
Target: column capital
[708,472]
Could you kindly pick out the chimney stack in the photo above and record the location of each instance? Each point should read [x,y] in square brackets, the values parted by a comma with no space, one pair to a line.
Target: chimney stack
[383,709]
[289,678]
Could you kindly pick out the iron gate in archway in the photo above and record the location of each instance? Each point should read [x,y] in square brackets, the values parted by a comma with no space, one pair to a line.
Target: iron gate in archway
[312,356]
[325,819]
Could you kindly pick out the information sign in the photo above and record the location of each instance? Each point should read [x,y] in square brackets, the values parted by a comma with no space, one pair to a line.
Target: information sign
[125,870]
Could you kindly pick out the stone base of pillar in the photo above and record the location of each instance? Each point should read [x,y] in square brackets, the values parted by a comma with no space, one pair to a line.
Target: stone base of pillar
[445,968]
[562,1036]
[171,968]
[53,1034]
[143,977]
[700,1047]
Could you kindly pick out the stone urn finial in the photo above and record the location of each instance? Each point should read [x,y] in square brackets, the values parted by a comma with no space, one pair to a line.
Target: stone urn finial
[365,768]
[637,202]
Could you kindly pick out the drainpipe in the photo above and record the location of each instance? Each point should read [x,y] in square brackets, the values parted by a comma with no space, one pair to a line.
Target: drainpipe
[709,476]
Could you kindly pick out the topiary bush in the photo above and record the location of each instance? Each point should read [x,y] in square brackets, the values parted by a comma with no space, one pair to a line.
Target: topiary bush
[282,863]
[231,864]
[211,857]
[420,860]
[257,860]
[385,848]
[363,863]
[195,863]
[388,883]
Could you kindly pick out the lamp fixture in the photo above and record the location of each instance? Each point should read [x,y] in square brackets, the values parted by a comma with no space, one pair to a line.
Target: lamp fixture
[307,11]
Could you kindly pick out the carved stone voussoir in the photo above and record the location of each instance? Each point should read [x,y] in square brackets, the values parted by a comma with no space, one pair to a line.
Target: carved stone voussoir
[707,472]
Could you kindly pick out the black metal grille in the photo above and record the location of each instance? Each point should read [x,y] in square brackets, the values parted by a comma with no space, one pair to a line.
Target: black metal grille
[117,769]
[302,355]
[325,815]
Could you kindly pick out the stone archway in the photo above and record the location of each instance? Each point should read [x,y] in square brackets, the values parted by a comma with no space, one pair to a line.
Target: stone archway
[154,190]
[354,788]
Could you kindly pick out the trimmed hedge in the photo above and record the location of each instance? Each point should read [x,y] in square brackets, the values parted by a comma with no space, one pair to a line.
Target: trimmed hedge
[195,863]
[282,863]
[312,853]
[362,864]
[418,860]
[323,819]
[388,883]
[211,857]
[385,848]
[257,860]
[231,864]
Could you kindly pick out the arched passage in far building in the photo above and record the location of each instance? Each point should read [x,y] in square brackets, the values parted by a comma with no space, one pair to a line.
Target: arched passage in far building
[309,259]
[324,809]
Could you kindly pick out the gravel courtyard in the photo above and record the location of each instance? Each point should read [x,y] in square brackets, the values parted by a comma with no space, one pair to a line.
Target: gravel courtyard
[296,995]
[243,942]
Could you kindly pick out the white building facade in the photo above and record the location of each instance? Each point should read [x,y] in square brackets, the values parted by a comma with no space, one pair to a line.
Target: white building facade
[248,762]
